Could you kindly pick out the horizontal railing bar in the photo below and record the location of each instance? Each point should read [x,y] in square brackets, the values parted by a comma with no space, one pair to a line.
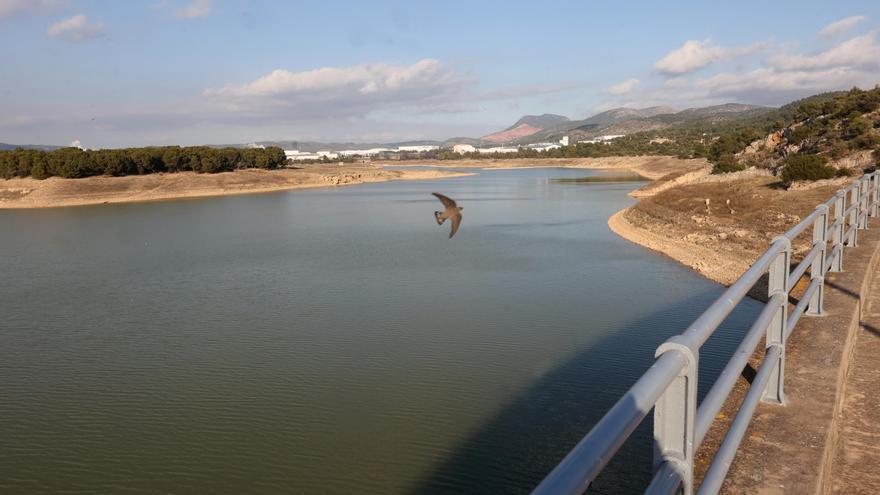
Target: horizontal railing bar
[831,202]
[667,481]
[799,271]
[727,378]
[724,457]
[587,459]
[701,329]
[802,225]
[801,306]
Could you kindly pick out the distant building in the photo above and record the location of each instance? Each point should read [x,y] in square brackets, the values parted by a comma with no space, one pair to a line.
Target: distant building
[463,148]
[564,141]
[328,154]
[497,149]
[255,146]
[369,152]
[603,139]
[544,146]
[418,149]
[301,155]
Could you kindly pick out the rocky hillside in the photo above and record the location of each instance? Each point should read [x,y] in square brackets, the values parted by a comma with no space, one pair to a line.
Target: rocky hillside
[840,134]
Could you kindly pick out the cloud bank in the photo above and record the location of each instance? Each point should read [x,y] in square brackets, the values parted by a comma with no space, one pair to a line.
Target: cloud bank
[345,91]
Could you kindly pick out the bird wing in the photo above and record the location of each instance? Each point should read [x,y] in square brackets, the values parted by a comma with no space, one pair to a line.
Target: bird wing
[447,202]
[456,221]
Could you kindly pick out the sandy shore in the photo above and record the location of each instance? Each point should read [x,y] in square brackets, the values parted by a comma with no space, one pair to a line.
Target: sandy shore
[52,192]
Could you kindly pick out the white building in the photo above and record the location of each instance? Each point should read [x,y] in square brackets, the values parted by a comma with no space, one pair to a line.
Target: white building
[603,139]
[328,155]
[463,148]
[301,155]
[544,146]
[419,149]
[564,141]
[497,149]
[369,152]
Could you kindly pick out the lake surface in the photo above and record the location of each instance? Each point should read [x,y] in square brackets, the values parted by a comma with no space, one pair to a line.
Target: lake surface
[331,341]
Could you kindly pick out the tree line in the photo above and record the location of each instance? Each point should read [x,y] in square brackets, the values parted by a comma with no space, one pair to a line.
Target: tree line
[77,163]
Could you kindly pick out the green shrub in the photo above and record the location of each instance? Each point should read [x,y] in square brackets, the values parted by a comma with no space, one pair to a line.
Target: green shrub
[806,167]
[726,164]
[844,172]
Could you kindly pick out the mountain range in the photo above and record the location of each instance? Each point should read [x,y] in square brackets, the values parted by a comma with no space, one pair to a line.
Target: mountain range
[549,127]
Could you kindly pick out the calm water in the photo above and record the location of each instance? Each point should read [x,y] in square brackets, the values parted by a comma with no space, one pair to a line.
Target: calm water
[330,341]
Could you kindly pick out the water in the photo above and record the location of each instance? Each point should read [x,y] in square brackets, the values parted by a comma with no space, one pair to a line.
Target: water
[330,341]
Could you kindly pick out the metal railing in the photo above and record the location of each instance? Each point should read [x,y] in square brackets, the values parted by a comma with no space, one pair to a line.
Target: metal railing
[670,384]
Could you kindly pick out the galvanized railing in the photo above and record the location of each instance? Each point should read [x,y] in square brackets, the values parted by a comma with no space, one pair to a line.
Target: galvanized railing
[670,384]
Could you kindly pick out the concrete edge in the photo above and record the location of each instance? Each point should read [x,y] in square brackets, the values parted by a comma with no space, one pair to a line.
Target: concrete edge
[833,436]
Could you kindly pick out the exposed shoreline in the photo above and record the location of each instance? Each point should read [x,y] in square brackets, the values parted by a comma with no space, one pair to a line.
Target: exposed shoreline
[26,193]
[721,240]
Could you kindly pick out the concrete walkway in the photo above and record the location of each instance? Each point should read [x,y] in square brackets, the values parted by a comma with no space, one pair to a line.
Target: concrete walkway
[856,464]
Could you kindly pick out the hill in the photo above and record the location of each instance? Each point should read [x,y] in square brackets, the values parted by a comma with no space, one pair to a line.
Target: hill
[525,127]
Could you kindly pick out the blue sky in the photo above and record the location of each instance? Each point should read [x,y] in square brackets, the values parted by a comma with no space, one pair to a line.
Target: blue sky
[128,73]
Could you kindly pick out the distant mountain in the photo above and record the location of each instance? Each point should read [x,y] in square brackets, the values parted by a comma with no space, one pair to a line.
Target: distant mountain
[526,126]
[617,115]
[542,121]
[42,147]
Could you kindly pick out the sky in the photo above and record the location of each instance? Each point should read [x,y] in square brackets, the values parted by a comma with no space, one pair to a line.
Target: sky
[160,72]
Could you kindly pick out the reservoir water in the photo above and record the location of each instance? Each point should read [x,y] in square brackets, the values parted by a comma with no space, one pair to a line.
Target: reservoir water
[331,341]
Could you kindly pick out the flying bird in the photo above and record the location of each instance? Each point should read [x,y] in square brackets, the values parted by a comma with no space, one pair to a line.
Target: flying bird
[452,212]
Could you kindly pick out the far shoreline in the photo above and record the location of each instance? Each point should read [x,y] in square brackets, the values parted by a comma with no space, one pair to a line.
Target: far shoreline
[55,192]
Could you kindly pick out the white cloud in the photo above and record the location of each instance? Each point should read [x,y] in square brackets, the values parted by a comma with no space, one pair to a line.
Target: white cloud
[76,29]
[862,51]
[842,26]
[9,8]
[346,91]
[689,57]
[624,87]
[198,8]
[695,54]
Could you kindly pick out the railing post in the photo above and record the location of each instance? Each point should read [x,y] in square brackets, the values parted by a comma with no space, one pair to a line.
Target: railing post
[675,416]
[837,234]
[853,216]
[875,193]
[817,269]
[778,284]
[864,187]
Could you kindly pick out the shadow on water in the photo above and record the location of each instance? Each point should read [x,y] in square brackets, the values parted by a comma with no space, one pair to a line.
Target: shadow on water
[512,452]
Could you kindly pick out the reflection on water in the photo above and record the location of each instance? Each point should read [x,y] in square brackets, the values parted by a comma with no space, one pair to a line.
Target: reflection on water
[330,341]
